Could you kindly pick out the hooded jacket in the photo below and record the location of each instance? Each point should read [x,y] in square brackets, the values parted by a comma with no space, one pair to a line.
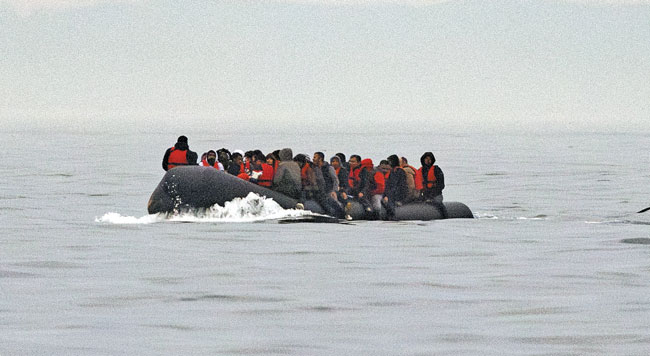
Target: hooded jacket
[286,179]
[190,157]
[429,178]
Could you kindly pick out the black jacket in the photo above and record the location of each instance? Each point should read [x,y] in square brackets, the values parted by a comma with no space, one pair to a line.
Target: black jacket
[191,156]
[396,189]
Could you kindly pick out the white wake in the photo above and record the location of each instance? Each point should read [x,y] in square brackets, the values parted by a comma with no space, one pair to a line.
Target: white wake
[249,209]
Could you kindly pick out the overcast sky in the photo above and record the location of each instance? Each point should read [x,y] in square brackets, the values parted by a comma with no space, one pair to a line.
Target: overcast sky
[381,65]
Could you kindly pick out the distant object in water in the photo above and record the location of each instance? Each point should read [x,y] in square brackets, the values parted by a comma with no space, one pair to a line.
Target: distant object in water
[637,240]
[195,187]
[643,210]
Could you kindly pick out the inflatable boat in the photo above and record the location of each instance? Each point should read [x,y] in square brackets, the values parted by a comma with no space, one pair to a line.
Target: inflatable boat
[195,187]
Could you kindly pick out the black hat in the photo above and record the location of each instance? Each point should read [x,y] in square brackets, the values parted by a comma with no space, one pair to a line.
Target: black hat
[182,138]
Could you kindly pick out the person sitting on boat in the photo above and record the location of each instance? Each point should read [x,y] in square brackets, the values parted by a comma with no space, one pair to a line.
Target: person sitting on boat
[341,173]
[210,160]
[413,194]
[307,177]
[430,181]
[385,168]
[272,161]
[328,185]
[344,163]
[236,166]
[223,156]
[372,186]
[179,155]
[261,172]
[396,190]
[286,179]
[248,158]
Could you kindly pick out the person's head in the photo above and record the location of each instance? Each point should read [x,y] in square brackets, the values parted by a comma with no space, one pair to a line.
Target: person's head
[355,160]
[211,157]
[258,156]
[403,162]
[335,162]
[285,154]
[182,139]
[384,166]
[270,159]
[367,164]
[393,161]
[341,156]
[248,156]
[223,154]
[319,158]
[427,159]
[301,159]
[237,158]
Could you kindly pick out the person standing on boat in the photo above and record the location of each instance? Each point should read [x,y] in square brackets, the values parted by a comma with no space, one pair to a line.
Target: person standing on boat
[286,179]
[430,181]
[396,190]
[179,155]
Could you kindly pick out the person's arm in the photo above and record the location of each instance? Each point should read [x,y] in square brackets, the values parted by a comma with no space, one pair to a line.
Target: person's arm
[440,179]
[166,159]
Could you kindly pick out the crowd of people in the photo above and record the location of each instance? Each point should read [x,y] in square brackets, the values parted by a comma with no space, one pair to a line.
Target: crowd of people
[334,184]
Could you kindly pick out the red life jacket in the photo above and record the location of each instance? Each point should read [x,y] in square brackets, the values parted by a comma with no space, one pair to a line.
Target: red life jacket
[427,182]
[177,158]
[353,177]
[380,183]
[244,176]
[303,173]
[266,178]
[206,164]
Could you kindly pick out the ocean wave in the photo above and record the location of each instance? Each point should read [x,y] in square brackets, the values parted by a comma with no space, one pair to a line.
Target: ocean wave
[249,209]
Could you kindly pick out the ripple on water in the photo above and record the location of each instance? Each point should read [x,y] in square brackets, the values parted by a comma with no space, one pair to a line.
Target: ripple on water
[233,298]
[637,241]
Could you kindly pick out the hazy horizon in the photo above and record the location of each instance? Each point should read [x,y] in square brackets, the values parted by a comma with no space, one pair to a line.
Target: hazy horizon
[325,65]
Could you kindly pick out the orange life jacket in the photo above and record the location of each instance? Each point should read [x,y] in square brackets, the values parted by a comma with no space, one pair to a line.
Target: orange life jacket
[425,182]
[177,158]
[266,178]
[353,177]
[380,182]
[206,164]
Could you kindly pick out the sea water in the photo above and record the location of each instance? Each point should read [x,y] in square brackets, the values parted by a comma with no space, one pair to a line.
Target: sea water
[542,270]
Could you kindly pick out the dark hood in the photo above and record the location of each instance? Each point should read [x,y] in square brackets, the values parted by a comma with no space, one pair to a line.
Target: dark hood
[183,146]
[429,154]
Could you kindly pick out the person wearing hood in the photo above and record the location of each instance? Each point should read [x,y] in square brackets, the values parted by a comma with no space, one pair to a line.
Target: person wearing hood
[286,179]
[430,181]
[179,155]
[341,173]
[223,156]
[396,190]
[210,160]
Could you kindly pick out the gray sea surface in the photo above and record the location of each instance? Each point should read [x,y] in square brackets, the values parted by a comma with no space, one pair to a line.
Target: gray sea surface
[555,263]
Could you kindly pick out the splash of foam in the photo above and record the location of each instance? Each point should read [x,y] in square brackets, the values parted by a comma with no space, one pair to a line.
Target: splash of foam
[249,209]
[116,218]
